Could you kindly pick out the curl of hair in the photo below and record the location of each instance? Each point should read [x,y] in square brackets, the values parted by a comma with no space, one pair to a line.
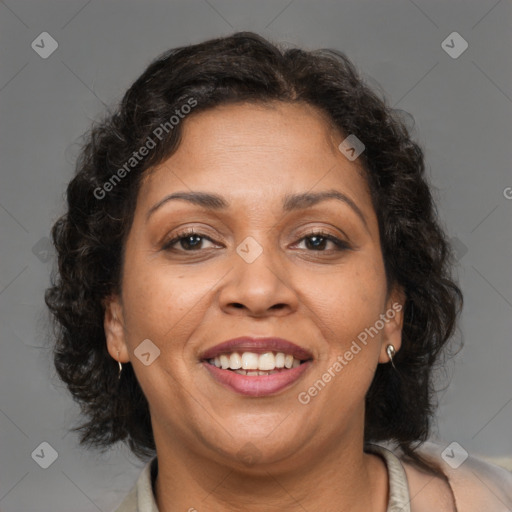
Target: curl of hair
[90,236]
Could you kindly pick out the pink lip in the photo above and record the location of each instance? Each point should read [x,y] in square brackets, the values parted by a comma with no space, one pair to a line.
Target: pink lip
[257,385]
[258,346]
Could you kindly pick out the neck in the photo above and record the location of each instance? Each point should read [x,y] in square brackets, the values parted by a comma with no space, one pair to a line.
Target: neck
[341,478]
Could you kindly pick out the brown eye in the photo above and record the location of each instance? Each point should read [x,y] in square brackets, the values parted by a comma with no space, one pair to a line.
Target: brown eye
[188,241]
[318,241]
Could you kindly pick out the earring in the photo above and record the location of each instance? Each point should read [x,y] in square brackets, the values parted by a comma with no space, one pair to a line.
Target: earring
[120,366]
[390,351]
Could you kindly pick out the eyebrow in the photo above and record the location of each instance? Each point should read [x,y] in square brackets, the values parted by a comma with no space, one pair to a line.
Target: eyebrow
[291,202]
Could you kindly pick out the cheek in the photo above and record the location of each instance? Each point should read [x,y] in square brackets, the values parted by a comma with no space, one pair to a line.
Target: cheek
[349,299]
[349,304]
[163,303]
[165,306]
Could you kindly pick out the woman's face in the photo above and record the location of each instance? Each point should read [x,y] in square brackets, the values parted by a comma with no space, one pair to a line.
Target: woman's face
[256,266]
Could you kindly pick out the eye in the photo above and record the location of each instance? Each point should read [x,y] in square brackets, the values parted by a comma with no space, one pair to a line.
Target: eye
[318,240]
[189,240]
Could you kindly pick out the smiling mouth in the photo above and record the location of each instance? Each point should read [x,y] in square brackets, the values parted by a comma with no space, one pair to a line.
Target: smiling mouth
[254,364]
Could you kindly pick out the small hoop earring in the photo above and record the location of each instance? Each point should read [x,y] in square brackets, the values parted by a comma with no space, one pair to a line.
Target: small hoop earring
[120,366]
[390,351]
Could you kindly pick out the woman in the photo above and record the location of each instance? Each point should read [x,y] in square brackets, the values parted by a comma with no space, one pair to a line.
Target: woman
[253,290]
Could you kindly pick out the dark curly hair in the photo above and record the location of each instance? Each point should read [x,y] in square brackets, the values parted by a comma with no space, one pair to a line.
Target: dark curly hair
[91,235]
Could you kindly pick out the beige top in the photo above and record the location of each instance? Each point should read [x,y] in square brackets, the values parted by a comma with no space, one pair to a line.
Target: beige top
[476,485]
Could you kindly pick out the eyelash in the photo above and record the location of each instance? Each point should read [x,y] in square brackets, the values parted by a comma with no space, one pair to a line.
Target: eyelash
[341,245]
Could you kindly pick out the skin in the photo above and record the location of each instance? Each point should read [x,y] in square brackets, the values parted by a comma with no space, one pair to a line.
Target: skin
[308,457]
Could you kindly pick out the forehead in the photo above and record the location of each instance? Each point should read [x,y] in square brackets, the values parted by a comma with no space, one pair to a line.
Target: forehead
[277,129]
[258,149]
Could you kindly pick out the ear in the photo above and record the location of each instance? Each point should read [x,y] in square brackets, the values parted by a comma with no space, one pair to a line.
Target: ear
[393,319]
[113,324]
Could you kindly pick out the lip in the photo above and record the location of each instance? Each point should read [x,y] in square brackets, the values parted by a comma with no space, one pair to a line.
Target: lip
[258,346]
[257,385]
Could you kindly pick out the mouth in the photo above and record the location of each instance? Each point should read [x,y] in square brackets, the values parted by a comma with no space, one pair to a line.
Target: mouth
[257,367]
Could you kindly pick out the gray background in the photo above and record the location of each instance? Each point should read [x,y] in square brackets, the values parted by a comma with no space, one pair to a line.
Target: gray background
[462,109]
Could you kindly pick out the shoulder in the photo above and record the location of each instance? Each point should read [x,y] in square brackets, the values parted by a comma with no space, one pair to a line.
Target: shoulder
[129,503]
[141,497]
[474,484]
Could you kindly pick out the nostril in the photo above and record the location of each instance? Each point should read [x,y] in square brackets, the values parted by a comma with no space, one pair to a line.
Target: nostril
[276,307]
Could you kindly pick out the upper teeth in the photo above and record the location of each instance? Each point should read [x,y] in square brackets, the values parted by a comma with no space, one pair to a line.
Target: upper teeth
[253,361]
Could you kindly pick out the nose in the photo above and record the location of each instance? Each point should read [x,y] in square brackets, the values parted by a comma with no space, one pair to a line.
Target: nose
[259,288]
